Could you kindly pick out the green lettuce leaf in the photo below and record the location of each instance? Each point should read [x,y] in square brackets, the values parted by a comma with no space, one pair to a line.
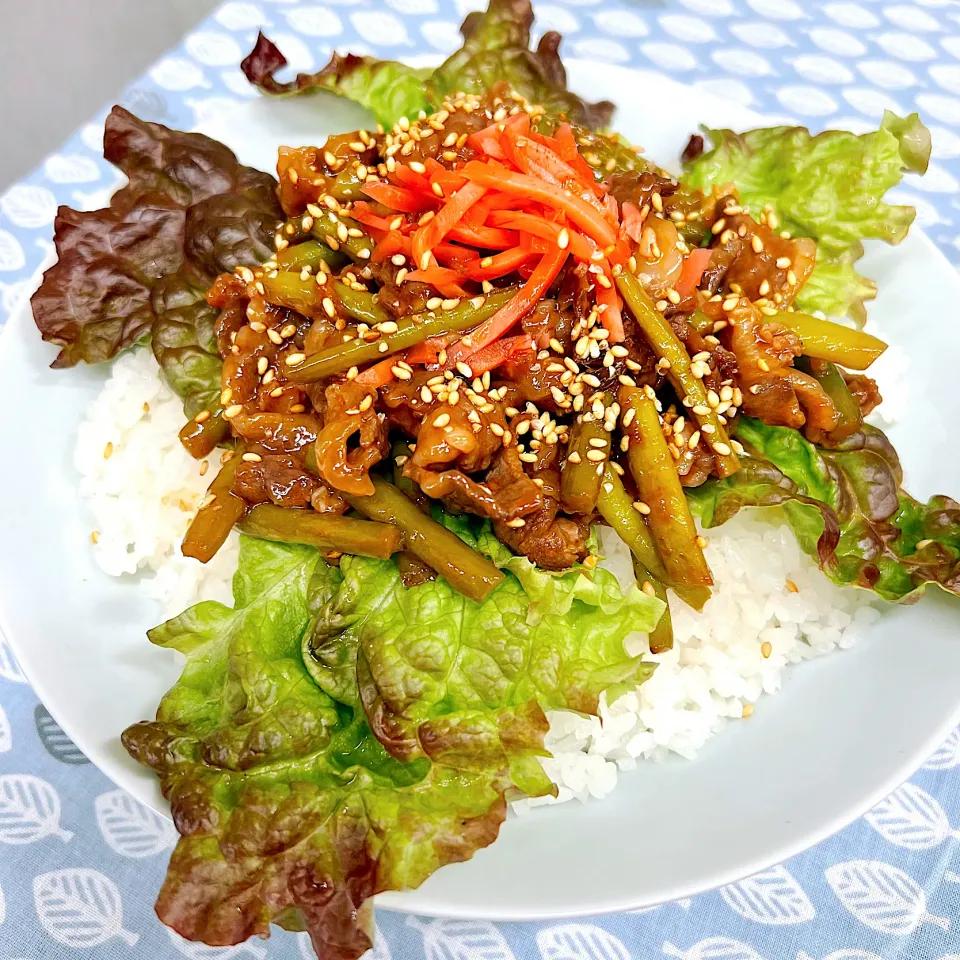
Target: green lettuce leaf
[389,90]
[846,507]
[836,288]
[496,49]
[335,735]
[553,638]
[829,187]
[289,810]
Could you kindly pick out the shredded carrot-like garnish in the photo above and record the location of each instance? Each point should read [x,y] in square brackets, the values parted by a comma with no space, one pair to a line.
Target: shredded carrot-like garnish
[694,264]
[529,296]
[585,216]
[379,374]
[446,218]
[397,198]
[612,314]
[499,352]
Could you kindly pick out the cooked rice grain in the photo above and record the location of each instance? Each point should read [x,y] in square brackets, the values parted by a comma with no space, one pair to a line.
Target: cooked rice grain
[141,488]
[717,665]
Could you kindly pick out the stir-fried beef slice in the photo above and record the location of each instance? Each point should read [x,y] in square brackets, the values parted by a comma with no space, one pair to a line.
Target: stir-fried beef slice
[773,389]
[505,494]
[548,322]
[510,484]
[402,403]
[307,174]
[535,380]
[865,391]
[277,432]
[459,493]
[550,541]
[659,258]
[760,263]
[694,464]
[639,189]
[457,435]
[229,295]
[456,129]
[321,334]
[325,500]
[279,479]
[455,441]
[720,262]
[353,438]
[408,298]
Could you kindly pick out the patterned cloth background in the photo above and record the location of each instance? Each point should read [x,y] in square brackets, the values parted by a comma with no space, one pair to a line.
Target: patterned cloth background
[80,861]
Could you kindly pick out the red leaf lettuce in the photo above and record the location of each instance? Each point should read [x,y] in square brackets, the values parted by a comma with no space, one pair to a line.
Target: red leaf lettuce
[289,807]
[496,49]
[139,268]
[847,508]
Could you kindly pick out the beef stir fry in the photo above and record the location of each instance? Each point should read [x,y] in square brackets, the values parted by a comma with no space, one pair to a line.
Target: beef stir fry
[473,308]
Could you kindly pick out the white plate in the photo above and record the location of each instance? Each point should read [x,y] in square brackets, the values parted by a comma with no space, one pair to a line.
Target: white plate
[846,730]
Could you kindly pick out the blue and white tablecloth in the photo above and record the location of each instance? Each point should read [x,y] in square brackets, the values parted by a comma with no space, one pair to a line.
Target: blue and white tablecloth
[80,861]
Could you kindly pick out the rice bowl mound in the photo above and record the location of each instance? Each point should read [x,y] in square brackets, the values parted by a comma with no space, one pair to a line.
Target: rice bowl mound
[771,605]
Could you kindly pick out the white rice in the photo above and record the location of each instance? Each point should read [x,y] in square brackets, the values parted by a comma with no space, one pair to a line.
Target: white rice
[141,488]
[716,670]
[142,495]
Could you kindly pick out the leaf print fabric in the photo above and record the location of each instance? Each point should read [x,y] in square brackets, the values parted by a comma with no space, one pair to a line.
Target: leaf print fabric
[714,948]
[80,908]
[129,828]
[29,810]
[54,740]
[580,941]
[912,819]
[771,897]
[882,897]
[947,755]
[80,860]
